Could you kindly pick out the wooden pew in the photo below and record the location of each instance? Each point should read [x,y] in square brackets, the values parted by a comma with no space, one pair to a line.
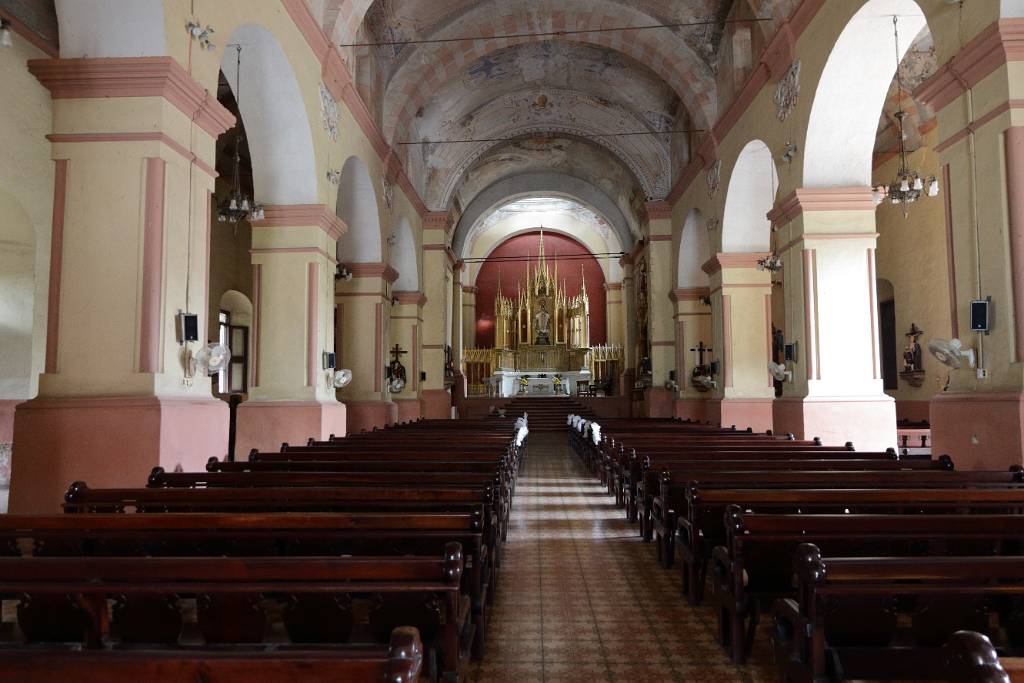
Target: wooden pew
[889,617]
[971,658]
[314,595]
[401,662]
[754,566]
[702,526]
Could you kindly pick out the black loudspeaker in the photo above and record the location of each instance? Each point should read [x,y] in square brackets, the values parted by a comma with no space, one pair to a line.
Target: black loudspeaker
[672,375]
[330,361]
[423,377]
[188,327]
[981,311]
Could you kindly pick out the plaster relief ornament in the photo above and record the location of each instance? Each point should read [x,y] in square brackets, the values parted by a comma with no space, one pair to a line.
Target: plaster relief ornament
[712,224]
[714,177]
[389,190]
[788,92]
[329,109]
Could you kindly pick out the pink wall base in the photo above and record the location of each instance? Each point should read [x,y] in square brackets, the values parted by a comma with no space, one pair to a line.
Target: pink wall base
[363,416]
[979,431]
[265,425]
[755,413]
[7,419]
[869,423]
[437,404]
[915,411]
[658,402]
[691,409]
[607,406]
[108,442]
[409,409]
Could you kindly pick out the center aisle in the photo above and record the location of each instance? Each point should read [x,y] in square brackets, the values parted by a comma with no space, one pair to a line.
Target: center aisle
[580,596]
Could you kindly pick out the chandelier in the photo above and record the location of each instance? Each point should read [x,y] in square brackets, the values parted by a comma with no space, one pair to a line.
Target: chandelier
[908,186]
[772,263]
[237,206]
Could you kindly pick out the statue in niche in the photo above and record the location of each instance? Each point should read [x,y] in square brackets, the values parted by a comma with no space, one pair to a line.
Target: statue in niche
[913,360]
[542,324]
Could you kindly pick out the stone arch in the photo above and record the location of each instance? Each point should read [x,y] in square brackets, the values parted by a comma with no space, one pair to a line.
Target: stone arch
[549,183]
[843,122]
[17,282]
[357,206]
[238,305]
[752,188]
[404,257]
[694,251]
[276,122]
[85,28]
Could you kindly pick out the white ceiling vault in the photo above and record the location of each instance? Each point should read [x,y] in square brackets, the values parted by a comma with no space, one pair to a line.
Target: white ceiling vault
[521,102]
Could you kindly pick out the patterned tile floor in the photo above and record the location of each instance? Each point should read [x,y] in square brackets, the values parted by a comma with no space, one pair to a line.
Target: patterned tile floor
[581,597]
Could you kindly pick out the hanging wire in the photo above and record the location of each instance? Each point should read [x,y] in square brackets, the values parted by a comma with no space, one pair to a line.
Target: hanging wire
[518,137]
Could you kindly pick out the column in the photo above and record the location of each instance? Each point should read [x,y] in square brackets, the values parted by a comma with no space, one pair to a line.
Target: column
[628,327]
[469,317]
[828,239]
[406,331]
[291,393]
[459,388]
[659,400]
[363,311]
[128,253]
[615,316]
[741,320]
[692,328]
[438,260]
[979,419]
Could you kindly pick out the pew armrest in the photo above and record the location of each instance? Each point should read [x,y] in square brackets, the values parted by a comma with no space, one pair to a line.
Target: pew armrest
[722,569]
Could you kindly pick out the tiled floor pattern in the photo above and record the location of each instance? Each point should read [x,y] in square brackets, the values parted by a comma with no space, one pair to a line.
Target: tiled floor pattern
[581,597]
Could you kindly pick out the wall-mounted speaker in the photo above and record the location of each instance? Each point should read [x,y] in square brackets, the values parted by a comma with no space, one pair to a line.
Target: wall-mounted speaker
[330,360]
[188,327]
[981,312]
[423,376]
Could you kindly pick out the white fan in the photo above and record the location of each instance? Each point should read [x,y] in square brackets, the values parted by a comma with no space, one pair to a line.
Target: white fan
[342,378]
[212,358]
[396,385]
[951,353]
[705,381]
[779,372]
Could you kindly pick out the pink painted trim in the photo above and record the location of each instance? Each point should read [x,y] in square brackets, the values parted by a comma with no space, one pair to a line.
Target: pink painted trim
[60,186]
[680,352]
[434,347]
[466,289]
[58,138]
[339,338]
[30,36]
[302,215]
[613,286]
[312,322]
[257,310]
[415,298]
[659,238]
[827,237]
[1014,145]
[152,266]
[768,334]
[296,250]
[999,43]
[133,77]
[810,314]
[688,294]
[950,259]
[720,262]
[662,343]
[727,337]
[975,125]
[805,200]
[452,258]
[376,295]
[876,366]
[381,270]
[658,211]
[415,352]
[378,340]
[438,220]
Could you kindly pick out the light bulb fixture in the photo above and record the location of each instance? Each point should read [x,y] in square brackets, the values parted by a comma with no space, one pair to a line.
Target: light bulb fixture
[772,263]
[334,176]
[6,35]
[201,34]
[238,207]
[790,152]
[908,186]
[342,273]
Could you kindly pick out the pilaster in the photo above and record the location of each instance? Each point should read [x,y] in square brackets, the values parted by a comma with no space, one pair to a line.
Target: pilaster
[692,328]
[406,331]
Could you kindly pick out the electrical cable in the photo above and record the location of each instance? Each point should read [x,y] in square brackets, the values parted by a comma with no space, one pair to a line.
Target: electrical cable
[519,137]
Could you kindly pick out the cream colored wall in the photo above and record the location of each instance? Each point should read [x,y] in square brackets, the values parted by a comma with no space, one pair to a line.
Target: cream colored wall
[26,196]
[230,266]
[912,255]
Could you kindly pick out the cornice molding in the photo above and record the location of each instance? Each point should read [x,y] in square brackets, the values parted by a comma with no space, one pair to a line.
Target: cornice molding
[133,77]
[410,298]
[373,269]
[658,210]
[299,215]
[999,43]
[720,262]
[689,294]
[452,259]
[613,286]
[807,200]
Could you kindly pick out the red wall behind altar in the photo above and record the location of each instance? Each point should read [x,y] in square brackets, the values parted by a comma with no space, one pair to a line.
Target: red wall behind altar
[514,271]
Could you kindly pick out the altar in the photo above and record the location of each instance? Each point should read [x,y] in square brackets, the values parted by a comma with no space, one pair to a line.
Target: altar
[507,383]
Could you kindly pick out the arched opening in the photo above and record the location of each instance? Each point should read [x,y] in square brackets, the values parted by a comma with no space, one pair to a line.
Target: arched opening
[694,251]
[357,206]
[843,123]
[887,341]
[404,257]
[752,188]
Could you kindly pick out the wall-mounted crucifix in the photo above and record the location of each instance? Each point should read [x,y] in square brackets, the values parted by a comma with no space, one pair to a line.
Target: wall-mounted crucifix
[699,352]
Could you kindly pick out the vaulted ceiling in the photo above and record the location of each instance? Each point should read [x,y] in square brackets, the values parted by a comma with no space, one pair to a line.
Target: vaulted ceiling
[549,88]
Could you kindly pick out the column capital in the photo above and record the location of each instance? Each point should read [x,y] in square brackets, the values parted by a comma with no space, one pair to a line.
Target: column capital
[133,77]
[294,215]
[689,294]
[807,200]
[377,269]
[466,289]
[413,298]
[658,210]
[613,286]
[720,262]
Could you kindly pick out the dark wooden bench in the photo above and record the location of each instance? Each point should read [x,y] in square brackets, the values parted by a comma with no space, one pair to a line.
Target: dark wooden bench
[971,658]
[66,600]
[889,617]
